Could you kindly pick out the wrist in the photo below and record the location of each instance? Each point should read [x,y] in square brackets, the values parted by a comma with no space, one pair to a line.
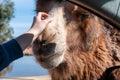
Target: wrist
[34,32]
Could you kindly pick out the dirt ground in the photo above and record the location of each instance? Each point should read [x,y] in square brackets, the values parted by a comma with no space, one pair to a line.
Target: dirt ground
[29,78]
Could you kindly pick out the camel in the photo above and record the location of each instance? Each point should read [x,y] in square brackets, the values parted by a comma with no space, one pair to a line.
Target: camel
[76,45]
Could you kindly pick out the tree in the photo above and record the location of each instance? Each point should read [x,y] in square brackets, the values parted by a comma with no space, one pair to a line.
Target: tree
[6,13]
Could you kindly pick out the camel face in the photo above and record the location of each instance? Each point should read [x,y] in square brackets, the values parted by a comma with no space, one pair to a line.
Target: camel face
[49,48]
[52,44]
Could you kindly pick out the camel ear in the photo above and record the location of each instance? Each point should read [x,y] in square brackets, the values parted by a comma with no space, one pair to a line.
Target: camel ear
[92,31]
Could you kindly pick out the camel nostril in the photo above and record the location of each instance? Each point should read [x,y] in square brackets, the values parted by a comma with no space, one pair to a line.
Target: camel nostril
[46,49]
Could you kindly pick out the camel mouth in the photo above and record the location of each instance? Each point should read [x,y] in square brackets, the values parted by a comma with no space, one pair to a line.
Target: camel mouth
[48,55]
[49,61]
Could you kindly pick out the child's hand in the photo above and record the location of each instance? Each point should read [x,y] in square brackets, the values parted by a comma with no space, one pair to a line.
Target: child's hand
[40,22]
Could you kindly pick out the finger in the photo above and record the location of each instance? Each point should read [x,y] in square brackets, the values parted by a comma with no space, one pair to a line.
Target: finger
[39,14]
[42,15]
[49,20]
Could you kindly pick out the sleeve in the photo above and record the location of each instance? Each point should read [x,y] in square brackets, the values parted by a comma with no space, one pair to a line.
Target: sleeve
[9,52]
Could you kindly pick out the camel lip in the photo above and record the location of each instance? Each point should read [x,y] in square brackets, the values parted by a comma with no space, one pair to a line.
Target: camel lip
[50,57]
[47,65]
[45,57]
[49,62]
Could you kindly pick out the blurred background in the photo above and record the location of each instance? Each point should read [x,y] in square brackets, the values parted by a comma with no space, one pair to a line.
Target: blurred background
[16,17]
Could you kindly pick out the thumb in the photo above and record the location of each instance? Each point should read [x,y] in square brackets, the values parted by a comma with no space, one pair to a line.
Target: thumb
[49,20]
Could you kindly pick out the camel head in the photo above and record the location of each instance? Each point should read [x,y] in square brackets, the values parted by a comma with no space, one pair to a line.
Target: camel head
[52,44]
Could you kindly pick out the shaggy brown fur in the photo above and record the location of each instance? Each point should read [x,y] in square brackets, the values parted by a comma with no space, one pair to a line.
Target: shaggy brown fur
[88,50]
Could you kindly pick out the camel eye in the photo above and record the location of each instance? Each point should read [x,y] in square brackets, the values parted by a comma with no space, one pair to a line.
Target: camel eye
[83,16]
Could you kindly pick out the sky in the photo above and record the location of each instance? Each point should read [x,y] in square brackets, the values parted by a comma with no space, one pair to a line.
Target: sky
[24,13]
